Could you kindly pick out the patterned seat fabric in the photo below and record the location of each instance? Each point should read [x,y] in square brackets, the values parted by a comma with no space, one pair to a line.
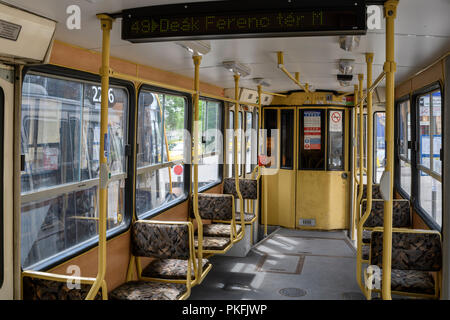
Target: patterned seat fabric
[410,251]
[214,243]
[147,290]
[214,206]
[247,216]
[365,252]
[367,234]
[40,289]
[376,193]
[401,217]
[169,269]
[164,241]
[411,281]
[248,188]
[219,230]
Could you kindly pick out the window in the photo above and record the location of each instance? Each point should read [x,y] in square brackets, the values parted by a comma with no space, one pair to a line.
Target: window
[312,139]
[287,139]
[336,143]
[161,151]
[230,144]
[271,137]
[211,154]
[379,144]
[404,147]
[429,161]
[60,141]
[250,143]
[239,143]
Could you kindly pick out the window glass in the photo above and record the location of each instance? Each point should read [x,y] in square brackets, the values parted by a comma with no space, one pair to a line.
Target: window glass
[249,141]
[239,143]
[379,144]
[160,136]
[211,143]
[60,140]
[230,144]
[424,133]
[436,131]
[271,137]
[287,139]
[430,197]
[404,131]
[336,140]
[312,139]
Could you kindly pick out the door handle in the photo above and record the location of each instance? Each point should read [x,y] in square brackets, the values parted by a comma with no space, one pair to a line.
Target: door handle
[344,175]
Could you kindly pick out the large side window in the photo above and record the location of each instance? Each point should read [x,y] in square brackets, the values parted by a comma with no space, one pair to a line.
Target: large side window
[249,142]
[379,144]
[2,240]
[230,144]
[211,150]
[60,142]
[404,146]
[429,162]
[161,151]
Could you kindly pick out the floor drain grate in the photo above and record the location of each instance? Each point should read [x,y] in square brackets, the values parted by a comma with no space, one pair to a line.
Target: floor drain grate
[353,296]
[293,292]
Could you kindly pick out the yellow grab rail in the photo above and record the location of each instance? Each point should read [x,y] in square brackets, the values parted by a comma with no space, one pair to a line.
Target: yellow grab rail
[236,164]
[361,143]
[281,66]
[390,12]
[106,25]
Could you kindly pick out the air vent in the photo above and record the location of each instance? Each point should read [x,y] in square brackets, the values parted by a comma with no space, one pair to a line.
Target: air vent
[307,222]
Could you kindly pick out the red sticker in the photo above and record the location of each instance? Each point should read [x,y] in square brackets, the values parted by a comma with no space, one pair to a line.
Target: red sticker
[178,169]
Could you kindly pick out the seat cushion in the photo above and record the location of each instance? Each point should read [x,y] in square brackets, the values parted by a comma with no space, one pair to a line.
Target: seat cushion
[411,281]
[219,230]
[169,269]
[247,216]
[214,243]
[148,290]
[366,236]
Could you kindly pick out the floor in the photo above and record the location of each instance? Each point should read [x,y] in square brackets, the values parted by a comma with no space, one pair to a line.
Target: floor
[288,264]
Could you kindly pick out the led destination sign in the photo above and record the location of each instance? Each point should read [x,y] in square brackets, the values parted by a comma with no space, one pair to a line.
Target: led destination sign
[216,20]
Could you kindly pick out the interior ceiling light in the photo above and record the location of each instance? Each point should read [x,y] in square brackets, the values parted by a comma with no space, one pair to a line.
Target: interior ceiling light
[345,80]
[261,81]
[346,66]
[348,43]
[196,47]
[237,68]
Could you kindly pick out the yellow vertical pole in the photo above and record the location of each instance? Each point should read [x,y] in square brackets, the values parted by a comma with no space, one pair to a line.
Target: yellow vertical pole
[369,61]
[106,25]
[355,181]
[197,61]
[361,142]
[390,13]
[236,163]
[260,141]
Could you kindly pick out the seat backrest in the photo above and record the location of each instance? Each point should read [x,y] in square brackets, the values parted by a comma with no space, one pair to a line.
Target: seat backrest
[410,250]
[401,214]
[164,241]
[376,193]
[248,188]
[213,206]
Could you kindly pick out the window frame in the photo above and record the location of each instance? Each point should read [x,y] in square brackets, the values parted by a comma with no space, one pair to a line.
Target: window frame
[221,128]
[187,166]
[415,150]
[436,86]
[86,77]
